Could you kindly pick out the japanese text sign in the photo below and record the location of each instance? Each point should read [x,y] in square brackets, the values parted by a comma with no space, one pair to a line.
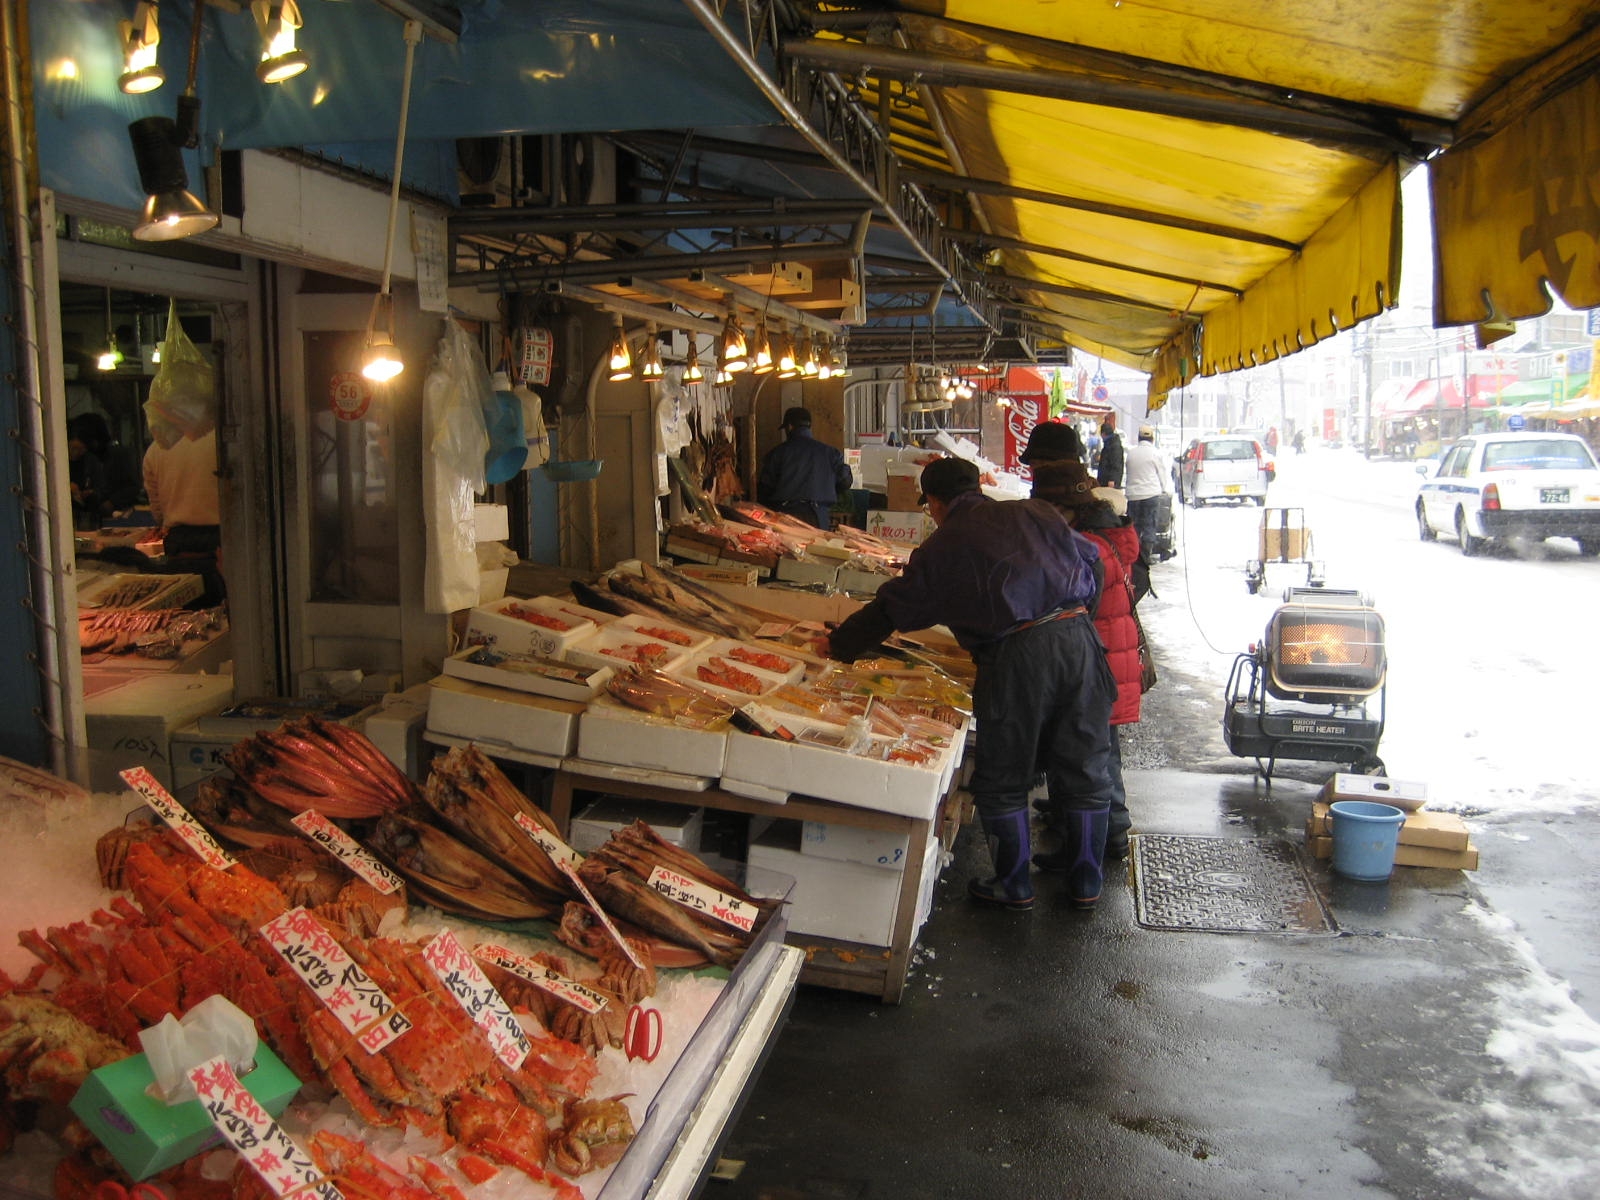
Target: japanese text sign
[260,1141]
[702,898]
[346,849]
[541,976]
[465,980]
[180,820]
[359,1004]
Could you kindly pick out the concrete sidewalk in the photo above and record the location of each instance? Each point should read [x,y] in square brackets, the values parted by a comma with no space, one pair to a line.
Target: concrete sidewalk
[1422,1051]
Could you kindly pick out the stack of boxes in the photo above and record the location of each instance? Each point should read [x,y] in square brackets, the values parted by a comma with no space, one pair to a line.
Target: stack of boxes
[1427,839]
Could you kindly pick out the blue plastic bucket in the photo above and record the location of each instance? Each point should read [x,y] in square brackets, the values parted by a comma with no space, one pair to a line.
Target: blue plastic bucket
[1364,838]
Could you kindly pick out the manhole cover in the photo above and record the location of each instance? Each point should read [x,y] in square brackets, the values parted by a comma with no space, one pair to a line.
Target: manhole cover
[1224,885]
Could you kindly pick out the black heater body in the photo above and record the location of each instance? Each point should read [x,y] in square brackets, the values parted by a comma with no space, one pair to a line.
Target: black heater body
[1314,687]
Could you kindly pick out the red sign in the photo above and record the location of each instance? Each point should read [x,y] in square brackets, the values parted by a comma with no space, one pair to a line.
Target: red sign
[349,395]
[1024,413]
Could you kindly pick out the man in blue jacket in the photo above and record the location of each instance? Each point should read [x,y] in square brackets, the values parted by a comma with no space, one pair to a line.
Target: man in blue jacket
[1016,586]
[802,476]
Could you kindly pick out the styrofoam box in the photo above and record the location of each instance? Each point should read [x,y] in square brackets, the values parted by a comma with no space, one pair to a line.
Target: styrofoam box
[849,901]
[850,843]
[1398,792]
[719,649]
[395,727]
[487,714]
[672,822]
[489,626]
[591,652]
[196,755]
[902,788]
[501,671]
[490,522]
[808,571]
[699,639]
[613,733]
[131,725]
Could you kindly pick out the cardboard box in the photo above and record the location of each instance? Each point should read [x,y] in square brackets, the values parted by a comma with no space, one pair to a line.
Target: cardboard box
[742,576]
[849,901]
[850,843]
[500,716]
[902,486]
[1423,827]
[609,732]
[682,544]
[672,822]
[131,725]
[491,625]
[395,727]
[1404,795]
[908,527]
[851,779]
[147,1136]
[1411,856]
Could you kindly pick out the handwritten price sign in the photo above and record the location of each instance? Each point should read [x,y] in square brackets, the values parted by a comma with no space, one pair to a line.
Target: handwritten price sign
[260,1141]
[346,849]
[566,860]
[465,980]
[691,893]
[177,817]
[359,1004]
[541,976]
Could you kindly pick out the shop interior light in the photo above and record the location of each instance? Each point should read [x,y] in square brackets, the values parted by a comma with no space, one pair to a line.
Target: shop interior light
[651,367]
[761,361]
[809,367]
[140,37]
[280,58]
[788,361]
[171,211]
[111,357]
[381,359]
[692,372]
[620,361]
[734,354]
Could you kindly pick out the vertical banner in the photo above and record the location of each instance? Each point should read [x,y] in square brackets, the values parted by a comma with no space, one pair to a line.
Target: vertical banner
[1023,414]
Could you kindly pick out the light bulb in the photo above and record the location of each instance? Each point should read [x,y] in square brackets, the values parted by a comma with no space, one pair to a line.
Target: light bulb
[763,350]
[621,362]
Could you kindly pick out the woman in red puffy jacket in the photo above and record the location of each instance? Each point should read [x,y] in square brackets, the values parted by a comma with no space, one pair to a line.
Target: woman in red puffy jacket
[1067,484]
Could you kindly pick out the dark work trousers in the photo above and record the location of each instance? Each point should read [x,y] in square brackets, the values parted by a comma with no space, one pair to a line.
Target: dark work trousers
[1042,701]
[812,512]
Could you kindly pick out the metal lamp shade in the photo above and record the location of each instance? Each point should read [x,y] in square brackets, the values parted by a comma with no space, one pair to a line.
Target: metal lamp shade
[171,211]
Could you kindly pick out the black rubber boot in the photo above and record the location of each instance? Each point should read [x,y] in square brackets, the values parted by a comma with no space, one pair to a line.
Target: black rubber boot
[1009,844]
[1085,831]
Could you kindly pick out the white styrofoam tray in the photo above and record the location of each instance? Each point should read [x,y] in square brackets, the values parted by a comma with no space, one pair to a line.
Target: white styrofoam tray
[609,732]
[491,625]
[527,673]
[488,715]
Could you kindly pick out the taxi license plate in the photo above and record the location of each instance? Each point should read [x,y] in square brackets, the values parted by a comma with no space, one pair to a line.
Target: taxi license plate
[1555,495]
[1231,489]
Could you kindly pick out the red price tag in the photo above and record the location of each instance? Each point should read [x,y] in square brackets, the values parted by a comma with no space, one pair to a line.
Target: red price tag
[349,395]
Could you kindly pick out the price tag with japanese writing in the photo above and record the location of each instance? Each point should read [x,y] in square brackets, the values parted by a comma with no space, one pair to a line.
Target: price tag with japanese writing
[179,818]
[260,1141]
[360,1005]
[566,860]
[346,849]
[691,893]
[542,976]
[465,980]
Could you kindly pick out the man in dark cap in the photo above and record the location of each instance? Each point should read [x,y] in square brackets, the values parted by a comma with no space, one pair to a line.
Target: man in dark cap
[1113,455]
[1050,441]
[802,476]
[1014,583]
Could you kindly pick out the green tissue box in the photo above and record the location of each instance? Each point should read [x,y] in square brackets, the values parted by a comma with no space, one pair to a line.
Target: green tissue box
[144,1134]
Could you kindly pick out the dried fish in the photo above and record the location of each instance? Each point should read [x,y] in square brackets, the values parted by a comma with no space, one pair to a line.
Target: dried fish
[447,873]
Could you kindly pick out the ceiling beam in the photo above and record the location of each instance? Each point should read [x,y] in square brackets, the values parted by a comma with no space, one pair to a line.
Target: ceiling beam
[1334,131]
[996,241]
[988,187]
[507,221]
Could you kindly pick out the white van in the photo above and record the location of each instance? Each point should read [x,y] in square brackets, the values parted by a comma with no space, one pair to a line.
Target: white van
[1223,466]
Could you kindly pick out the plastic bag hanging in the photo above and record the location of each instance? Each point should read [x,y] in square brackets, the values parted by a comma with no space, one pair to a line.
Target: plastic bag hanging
[508,444]
[452,470]
[183,395]
[534,431]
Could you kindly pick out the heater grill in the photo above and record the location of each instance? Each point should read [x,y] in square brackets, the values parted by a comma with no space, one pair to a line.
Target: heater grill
[1324,653]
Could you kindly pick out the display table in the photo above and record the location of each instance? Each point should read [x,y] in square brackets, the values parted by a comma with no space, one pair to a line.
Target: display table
[876,970]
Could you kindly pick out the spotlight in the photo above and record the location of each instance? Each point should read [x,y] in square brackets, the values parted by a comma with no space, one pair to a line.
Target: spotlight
[381,361]
[140,36]
[171,211]
[277,20]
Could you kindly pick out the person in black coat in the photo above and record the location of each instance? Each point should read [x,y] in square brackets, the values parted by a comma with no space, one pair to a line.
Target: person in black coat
[802,476]
[1113,457]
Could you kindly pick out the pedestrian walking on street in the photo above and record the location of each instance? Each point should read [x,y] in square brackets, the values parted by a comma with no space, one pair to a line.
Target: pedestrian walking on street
[1014,583]
[1147,475]
[1113,456]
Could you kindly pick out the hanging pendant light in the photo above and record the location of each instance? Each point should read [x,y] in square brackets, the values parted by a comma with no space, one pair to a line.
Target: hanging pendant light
[140,71]
[788,361]
[761,355]
[111,357]
[651,367]
[171,211]
[621,361]
[809,367]
[735,352]
[381,359]
[692,372]
[280,58]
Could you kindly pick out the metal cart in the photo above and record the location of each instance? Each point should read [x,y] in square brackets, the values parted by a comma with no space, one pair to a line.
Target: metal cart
[1284,538]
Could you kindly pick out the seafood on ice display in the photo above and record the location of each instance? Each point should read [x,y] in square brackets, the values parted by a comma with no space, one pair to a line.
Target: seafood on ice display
[174,929]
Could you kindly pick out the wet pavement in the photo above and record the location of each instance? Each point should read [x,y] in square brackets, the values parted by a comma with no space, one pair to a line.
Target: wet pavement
[1421,1051]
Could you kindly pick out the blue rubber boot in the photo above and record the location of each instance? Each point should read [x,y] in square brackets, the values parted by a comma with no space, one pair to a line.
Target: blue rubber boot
[1085,831]
[1009,847]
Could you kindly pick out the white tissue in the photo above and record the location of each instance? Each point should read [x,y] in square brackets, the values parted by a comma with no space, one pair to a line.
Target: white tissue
[173,1048]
